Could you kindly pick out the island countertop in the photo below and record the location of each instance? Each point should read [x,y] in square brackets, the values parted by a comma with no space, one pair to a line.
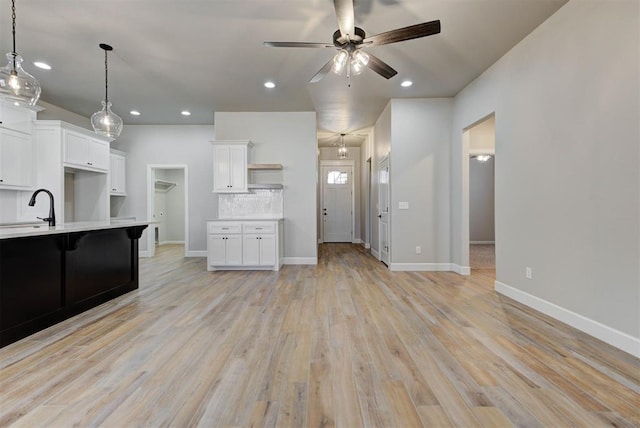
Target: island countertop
[25,230]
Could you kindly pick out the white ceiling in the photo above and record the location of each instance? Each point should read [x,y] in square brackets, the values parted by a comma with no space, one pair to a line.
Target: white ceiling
[207,55]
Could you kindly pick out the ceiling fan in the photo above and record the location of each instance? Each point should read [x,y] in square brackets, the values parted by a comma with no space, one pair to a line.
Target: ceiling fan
[350,41]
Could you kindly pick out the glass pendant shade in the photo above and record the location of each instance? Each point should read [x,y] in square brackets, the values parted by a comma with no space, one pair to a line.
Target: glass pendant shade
[105,122]
[16,85]
[342,151]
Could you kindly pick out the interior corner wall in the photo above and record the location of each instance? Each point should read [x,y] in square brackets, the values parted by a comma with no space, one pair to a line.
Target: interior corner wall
[288,138]
[170,145]
[566,103]
[419,176]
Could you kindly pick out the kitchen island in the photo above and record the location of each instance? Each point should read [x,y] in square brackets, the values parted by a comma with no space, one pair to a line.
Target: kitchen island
[48,274]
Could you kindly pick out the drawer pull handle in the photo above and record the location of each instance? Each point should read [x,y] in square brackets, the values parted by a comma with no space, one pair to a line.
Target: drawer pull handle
[225,228]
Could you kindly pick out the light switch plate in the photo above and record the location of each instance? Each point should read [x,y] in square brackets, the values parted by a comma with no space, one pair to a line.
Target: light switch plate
[403,205]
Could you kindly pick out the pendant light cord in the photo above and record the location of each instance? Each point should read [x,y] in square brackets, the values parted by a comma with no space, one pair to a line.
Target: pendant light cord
[13,20]
[106,78]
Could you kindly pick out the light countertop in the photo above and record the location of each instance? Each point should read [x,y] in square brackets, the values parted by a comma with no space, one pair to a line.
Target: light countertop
[30,229]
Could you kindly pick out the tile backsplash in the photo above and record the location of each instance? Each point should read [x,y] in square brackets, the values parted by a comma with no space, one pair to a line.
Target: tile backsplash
[258,203]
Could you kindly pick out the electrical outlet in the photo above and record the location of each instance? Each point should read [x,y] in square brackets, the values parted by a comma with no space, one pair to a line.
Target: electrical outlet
[418,250]
[528,272]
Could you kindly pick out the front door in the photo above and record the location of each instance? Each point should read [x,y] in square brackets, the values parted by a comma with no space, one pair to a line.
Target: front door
[383,210]
[336,203]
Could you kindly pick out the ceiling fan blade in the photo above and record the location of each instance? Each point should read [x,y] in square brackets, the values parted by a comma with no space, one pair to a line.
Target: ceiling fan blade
[346,16]
[297,45]
[322,72]
[380,67]
[406,33]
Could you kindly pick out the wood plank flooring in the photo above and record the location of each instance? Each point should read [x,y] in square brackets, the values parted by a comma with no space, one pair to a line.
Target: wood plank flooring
[346,344]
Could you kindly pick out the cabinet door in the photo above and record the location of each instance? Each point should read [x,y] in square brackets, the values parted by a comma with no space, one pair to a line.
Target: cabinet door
[16,158]
[234,250]
[268,250]
[16,118]
[118,174]
[238,168]
[98,154]
[251,250]
[216,250]
[221,169]
[76,149]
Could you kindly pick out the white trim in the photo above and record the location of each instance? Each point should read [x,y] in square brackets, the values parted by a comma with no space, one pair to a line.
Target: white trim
[367,245]
[357,241]
[600,331]
[320,241]
[482,242]
[300,260]
[461,270]
[476,152]
[420,267]
[144,254]
[352,165]
[375,253]
[196,253]
[170,242]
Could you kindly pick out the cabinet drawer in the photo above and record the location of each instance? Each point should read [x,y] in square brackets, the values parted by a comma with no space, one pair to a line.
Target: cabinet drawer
[224,227]
[258,228]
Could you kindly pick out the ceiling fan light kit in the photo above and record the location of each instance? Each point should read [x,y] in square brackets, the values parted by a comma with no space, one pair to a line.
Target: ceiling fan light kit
[351,40]
[105,122]
[16,85]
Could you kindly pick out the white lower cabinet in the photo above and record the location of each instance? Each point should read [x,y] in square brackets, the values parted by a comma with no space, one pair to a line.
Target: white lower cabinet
[244,245]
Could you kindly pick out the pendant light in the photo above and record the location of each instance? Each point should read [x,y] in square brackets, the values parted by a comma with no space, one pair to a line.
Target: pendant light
[105,122]
[342,148]
[16,85]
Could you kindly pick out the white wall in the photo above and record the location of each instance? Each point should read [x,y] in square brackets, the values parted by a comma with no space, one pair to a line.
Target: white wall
[170,145]
[289,139]
[419,168]
[566,102]
[381,147]
[169,206]
[481,201]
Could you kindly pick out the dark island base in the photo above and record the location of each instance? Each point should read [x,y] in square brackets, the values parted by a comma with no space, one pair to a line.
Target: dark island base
[47,279]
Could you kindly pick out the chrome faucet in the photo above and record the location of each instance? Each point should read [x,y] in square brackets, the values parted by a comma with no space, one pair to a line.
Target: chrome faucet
[52,215]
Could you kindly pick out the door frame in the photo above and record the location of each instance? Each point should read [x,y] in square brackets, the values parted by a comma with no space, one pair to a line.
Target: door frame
[385,158]
[151,247]
[352,164]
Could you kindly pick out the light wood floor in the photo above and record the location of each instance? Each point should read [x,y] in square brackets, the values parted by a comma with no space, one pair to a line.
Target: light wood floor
[346,343]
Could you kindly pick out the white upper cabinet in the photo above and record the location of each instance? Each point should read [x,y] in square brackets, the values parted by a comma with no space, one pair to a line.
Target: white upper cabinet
[16,160]
[16,118]
[16,146]
[118,174]
[230,166]
[85,152]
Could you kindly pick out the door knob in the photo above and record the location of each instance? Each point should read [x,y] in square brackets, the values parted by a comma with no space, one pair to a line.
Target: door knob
[379,215]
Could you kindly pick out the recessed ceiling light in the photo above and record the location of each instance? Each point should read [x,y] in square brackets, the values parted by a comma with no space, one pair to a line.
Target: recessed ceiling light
[269,85]
[135,112]
[406,83]
[185,113]
[42,65]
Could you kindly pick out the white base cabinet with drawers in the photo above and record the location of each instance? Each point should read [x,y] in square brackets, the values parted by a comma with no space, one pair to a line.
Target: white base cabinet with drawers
[244,244]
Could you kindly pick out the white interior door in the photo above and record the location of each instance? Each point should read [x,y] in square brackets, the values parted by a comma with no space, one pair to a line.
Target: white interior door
[383,210]
[337,217]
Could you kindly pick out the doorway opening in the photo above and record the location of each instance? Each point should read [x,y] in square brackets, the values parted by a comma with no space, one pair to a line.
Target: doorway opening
[337,201]
[167,207]
[479,194]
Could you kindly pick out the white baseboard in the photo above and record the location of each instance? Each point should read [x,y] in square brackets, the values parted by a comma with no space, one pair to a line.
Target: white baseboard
[196,253]
[320,241]
[418,267]
[482,242]
[367,245]
[600,331]
[144,253]
[461,270]
[357,241]
[375,253]
[300,260]
[170,242]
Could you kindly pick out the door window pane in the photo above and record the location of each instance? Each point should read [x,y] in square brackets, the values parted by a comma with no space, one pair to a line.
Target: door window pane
[337,177]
